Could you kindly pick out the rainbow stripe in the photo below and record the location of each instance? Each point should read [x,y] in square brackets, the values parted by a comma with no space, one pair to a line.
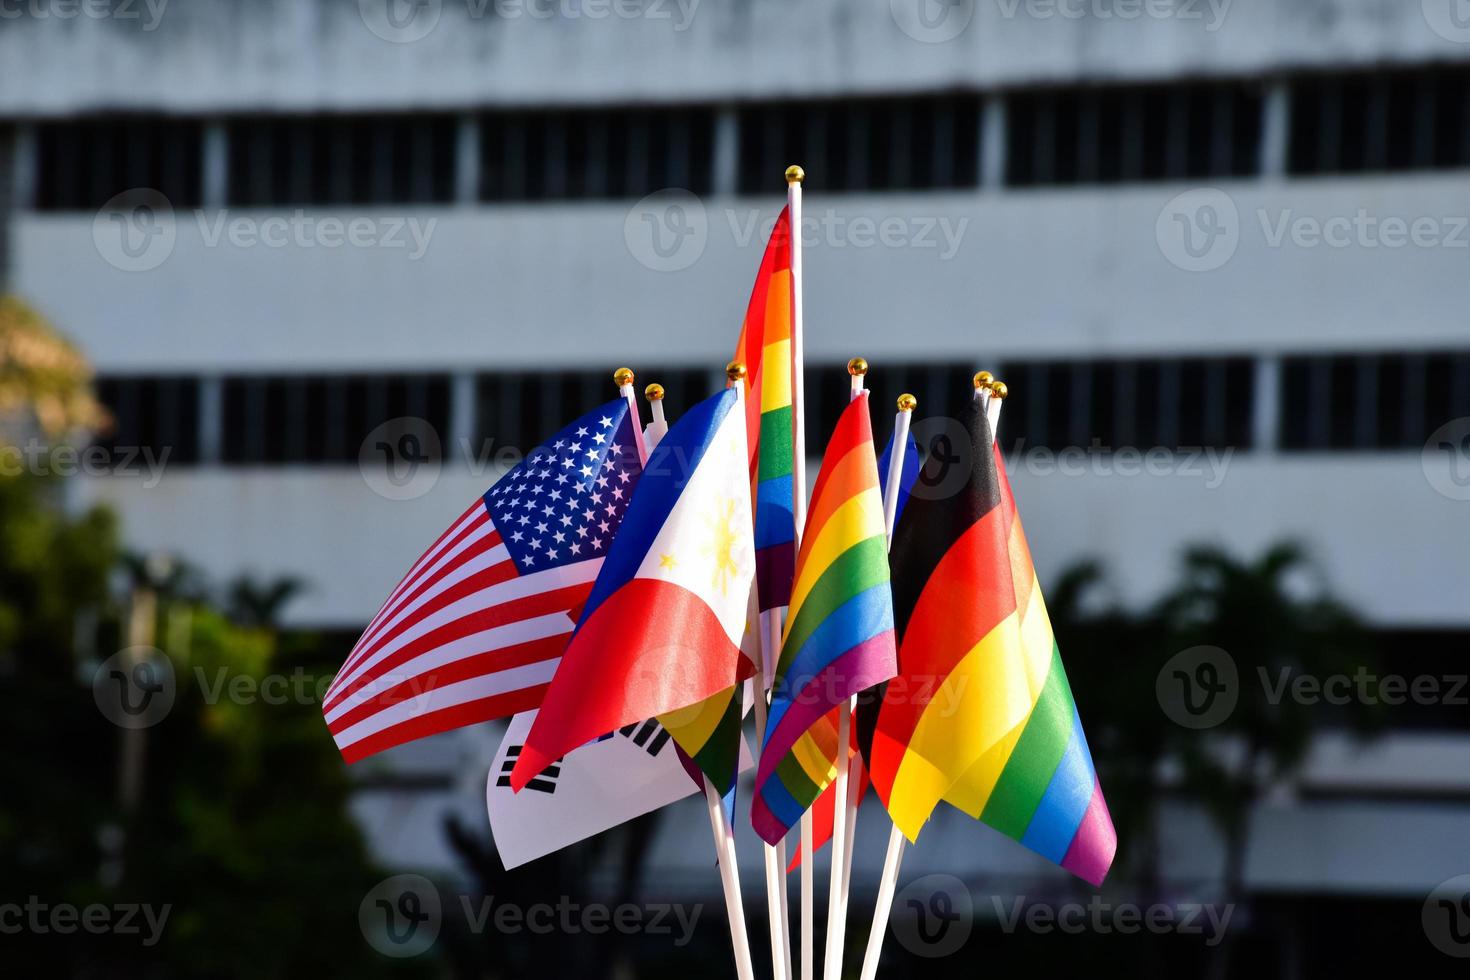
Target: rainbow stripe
[707,733]
[1044,791]
[765,349]
[839,637]
[998,736]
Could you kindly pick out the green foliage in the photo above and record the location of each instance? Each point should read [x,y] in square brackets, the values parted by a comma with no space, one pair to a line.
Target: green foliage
[242,826]
[1270,613]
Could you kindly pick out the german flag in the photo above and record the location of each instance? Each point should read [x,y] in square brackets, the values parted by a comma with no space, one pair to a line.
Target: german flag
[980,714]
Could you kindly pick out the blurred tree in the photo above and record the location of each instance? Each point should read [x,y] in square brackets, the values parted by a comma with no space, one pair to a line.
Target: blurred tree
[1275,617]
[241,827]
[252,602]
[1271,614]
[45,384]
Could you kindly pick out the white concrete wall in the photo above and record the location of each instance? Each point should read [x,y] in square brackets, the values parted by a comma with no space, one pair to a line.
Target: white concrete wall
[1388,543]
[1034,273]
[288,54]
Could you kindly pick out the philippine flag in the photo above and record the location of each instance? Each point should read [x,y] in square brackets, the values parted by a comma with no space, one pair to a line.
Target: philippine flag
[661,630]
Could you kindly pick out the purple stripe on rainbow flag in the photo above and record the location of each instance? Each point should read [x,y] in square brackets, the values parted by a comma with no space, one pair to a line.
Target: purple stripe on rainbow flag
[1092,850]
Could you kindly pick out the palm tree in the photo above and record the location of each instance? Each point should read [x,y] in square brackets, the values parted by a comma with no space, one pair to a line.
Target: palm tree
[1275,618]
[260,603]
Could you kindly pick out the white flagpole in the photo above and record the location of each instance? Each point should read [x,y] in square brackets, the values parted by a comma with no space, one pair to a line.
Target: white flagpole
[659,427]
[892,486]
[624,378]
[724,838]
[775,857]
[990,393]
[857,370]
[730,880]
[794,177]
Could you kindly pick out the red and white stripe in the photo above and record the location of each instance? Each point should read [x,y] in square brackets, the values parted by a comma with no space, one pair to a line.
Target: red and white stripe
[464,638]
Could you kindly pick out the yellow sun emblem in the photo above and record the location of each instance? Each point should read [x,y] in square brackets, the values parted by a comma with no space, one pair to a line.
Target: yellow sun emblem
[723,543]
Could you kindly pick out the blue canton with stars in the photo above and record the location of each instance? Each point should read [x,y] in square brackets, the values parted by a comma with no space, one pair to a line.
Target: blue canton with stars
[564,502]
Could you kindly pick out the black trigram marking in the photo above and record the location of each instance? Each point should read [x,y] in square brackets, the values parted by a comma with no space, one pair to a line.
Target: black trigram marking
[544,783]
[649,736]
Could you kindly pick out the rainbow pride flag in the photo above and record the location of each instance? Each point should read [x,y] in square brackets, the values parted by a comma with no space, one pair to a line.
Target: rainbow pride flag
[765,349]
[839,636]
[981,715]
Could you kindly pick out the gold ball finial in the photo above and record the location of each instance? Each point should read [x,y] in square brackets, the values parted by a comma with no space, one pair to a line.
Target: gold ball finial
[857,367]
[735,370]
[907,402]
[983,378]
[623,376]
[654,392]
[795,175]
[999,389]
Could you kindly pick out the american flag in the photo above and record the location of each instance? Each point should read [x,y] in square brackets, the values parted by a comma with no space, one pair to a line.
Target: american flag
[477,627]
